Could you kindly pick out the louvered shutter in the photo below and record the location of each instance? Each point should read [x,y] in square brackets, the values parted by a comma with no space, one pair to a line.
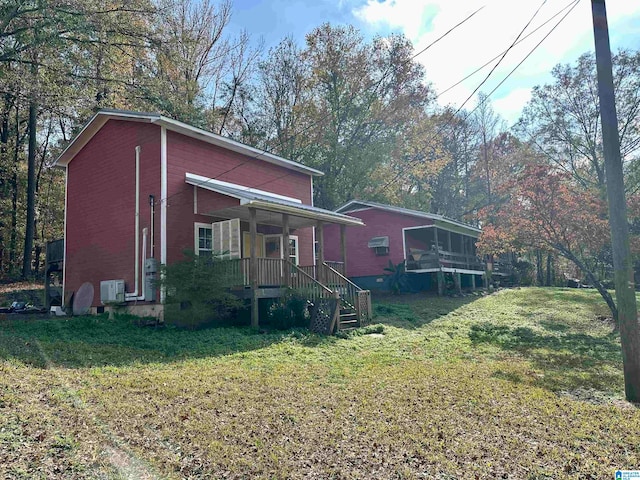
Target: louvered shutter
[226,238]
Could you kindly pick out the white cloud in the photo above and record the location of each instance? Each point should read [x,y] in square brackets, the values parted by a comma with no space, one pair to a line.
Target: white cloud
[405,15]
[486,35]
[510,106]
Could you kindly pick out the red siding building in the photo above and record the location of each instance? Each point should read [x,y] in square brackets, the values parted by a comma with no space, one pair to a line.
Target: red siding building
[142,186]
[426,243]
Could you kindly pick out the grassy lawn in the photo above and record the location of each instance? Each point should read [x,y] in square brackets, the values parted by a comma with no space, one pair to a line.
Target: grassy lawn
[521,384]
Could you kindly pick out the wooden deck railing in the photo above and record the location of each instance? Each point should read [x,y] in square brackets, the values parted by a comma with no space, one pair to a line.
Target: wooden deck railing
[443,258]
[332,284]
[351,294]
[302,282]
[309,270]
[337,266]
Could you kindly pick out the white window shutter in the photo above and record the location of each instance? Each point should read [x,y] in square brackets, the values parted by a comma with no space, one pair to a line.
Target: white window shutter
[226,238]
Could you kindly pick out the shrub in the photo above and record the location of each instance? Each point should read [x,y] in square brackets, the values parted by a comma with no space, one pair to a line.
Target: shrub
[198,292]
[289,311]
[397,278]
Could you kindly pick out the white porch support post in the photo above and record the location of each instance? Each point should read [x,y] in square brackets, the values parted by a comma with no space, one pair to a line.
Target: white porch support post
[343,246]
[320,240]
[285,250]
[253,267]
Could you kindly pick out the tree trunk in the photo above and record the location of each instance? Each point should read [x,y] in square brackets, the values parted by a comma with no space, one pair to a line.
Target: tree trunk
[4,174]
[592,278]
[31,191]
[13,241]
[549,270]
[539,272]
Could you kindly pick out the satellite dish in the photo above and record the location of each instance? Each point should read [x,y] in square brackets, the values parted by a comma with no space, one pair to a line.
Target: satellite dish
[83,299]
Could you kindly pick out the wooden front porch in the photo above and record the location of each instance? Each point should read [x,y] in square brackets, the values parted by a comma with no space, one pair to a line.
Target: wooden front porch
[336,302]
[329,292]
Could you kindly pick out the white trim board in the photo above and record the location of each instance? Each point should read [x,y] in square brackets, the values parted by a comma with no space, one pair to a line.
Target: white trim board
[212,183]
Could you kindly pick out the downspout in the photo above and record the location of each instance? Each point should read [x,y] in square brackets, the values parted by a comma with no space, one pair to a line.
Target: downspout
[152,205]
[136,275]
[163,205]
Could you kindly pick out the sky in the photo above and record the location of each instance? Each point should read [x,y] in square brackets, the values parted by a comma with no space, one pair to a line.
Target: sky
[486,35]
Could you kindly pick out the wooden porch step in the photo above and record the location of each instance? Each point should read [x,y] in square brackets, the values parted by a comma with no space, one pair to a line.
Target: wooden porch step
[348,321]
[348,324]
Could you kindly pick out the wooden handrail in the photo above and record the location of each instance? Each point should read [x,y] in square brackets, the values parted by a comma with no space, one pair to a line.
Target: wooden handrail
[296,283]
[337,266]
[342,277]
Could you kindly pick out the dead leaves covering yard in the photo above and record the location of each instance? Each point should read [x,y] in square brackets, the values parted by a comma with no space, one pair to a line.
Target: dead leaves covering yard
[454,389]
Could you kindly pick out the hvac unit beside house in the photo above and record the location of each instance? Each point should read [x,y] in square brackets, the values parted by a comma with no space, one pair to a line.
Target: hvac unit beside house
[112,291]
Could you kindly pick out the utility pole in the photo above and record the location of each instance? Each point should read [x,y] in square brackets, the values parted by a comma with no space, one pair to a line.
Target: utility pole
[625,291]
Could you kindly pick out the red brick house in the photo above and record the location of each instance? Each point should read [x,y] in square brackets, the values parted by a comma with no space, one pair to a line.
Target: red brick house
[141,186]
[429,245]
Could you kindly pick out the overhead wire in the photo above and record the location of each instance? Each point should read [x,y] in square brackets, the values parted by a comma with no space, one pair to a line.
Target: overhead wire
[467,77]
[317,122]
[403,170]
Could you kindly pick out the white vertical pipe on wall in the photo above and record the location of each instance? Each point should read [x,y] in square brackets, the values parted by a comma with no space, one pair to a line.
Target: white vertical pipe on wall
[163,202]
[136,275]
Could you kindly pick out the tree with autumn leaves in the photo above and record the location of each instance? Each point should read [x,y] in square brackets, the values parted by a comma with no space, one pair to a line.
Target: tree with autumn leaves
[544,208]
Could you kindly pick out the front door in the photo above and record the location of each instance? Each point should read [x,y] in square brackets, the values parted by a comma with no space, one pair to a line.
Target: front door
[246,245]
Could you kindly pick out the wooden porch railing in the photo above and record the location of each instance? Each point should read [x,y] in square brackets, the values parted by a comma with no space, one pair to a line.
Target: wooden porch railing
[301,281]
[309,270]
[352,295]
[270,272]
[443,258]
[332,284]
[337,266]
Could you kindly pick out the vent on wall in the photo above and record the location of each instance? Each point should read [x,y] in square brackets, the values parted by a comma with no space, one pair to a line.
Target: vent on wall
[380,245]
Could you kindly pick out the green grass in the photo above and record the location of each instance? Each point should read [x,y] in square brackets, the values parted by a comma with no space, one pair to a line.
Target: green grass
[519,384]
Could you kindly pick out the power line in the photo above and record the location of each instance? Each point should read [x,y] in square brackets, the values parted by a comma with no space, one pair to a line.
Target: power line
[493,69]
[498,55]
[529,54]
[317,122]
[452,116]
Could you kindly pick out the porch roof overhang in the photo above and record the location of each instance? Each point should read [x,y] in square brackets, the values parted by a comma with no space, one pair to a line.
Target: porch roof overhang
[269,206]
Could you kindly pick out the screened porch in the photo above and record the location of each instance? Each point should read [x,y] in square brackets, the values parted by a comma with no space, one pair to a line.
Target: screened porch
[432,248]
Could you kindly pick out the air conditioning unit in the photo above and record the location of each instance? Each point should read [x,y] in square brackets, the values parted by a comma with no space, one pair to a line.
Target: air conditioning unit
[112,291]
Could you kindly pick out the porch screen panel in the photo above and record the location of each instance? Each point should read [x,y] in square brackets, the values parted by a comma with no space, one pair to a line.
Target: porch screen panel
[226,238]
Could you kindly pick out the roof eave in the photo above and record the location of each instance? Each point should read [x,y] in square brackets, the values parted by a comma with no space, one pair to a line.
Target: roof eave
[92,127]
[102,116]
[404,211]
[328,217]
[232,145]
